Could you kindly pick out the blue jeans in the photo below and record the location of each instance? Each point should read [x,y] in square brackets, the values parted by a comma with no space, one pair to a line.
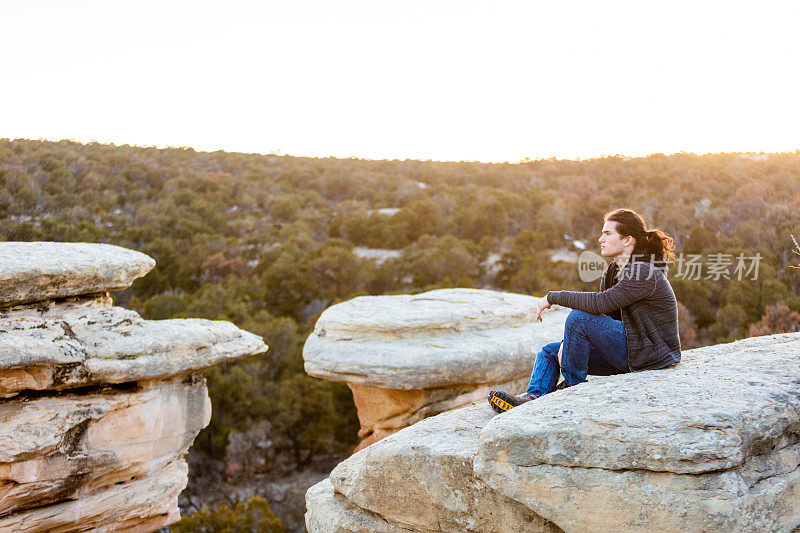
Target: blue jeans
[593,344]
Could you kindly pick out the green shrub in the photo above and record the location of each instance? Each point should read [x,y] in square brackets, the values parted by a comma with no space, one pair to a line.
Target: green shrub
[254,516]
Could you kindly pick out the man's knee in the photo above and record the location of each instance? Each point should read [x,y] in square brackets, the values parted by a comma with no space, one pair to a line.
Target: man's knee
[575,317]
[552,347]
[551,351]
[577,314]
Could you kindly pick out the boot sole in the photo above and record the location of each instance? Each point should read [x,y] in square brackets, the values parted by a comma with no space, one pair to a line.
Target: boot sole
[498,403]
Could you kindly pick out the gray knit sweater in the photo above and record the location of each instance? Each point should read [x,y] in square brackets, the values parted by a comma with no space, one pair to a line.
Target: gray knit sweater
[648,308]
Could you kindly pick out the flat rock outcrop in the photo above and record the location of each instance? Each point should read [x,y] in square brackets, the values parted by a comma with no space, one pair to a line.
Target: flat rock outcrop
[35,271]
[88,342]
[710,444]
[407,357]
[99,406]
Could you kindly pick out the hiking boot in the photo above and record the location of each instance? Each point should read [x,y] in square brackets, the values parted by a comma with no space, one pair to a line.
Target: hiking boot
[502,401]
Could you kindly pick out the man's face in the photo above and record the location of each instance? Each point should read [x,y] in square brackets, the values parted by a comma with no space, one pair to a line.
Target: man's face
[612,243]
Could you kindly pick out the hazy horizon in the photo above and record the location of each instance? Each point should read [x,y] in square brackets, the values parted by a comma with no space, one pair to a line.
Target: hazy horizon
[318,156]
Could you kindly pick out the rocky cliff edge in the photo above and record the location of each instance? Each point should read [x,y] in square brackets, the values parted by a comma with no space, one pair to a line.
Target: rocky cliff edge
[98,407]
[710,444]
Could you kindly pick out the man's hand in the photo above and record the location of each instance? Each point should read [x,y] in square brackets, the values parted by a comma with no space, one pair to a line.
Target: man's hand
[543,304]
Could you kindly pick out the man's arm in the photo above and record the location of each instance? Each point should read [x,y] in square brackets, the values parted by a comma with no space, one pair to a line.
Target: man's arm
[628,289]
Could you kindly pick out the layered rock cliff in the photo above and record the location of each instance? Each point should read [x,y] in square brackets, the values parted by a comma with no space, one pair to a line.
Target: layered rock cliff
[711,444]
[99,406]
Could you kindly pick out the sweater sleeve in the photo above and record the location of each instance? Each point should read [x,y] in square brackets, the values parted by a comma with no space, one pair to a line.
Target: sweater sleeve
[627,290]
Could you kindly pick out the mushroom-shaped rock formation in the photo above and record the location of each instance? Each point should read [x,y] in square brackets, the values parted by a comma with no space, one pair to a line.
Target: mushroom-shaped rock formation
[710,444]
[407,357]
[98,406]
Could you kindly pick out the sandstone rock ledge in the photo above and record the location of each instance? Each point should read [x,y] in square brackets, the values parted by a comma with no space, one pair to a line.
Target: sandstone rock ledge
[99,406]
[711,444]
[407,357]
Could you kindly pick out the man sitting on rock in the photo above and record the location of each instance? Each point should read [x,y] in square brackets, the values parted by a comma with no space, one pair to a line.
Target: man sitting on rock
[630,324]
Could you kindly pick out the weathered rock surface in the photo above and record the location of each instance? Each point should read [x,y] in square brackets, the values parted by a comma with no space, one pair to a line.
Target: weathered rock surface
[711,444]
[406,357]
[140,505]
[34,271]
[54,447]
[333,513]
[99,406]
[421,479]
[382,412]
[89,342]
[434,339]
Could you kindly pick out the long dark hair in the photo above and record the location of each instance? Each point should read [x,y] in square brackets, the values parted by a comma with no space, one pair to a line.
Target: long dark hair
[650,242]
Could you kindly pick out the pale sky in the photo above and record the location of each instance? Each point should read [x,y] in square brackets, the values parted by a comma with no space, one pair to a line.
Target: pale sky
[443,80]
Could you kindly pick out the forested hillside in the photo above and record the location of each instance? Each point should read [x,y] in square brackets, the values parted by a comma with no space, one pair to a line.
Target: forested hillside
[269,241]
